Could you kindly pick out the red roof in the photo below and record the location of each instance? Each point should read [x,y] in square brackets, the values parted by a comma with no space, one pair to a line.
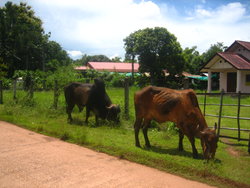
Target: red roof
[235,60]
[113,66]
[245,44]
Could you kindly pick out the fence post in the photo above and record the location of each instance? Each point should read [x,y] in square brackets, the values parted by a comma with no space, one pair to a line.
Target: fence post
[249,144]
[1,92]
[238,115]
[14,89]
[220,112]
[31,89]
[56,94]
[205,102]
[126,94]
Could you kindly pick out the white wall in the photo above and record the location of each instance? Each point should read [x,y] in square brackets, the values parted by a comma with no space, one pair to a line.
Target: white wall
[223,81]
[244,88]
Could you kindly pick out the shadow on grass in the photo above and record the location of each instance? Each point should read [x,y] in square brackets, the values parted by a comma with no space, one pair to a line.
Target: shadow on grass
[228,142]
[80,122]
[172,151]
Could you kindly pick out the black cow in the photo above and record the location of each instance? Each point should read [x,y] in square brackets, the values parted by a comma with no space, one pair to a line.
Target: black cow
[94,97]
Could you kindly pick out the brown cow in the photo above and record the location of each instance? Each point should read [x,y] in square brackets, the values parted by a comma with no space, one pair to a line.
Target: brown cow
[182,108]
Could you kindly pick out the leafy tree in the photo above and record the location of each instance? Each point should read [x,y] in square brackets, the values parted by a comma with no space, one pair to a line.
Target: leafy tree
[218,47]
[156,50]
[20,35]
[23,43]
[192,60]
[116,59]
[54,56]
[96,58]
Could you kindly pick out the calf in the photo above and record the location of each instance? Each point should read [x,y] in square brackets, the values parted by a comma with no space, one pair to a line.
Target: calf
[182,108]
[94,97]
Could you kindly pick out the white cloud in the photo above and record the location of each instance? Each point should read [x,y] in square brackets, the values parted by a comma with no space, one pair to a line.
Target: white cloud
[99,27]
[229,13]
[206,26]
[75,54]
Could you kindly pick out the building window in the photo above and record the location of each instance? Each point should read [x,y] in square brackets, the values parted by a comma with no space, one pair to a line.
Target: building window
[248,79]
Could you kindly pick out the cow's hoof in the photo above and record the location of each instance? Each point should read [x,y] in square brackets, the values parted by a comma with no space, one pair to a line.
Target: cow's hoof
[195,156]
[138,145]
[180,149]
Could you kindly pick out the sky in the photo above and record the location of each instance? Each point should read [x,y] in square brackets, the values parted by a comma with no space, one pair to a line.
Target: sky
[95,27]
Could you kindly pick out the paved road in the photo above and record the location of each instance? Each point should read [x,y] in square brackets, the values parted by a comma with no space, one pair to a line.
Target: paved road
[28,159]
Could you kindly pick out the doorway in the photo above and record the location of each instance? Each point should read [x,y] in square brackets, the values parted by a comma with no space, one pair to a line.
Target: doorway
[231,81]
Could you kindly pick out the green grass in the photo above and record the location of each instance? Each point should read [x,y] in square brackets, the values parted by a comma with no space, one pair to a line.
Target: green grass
[227,170]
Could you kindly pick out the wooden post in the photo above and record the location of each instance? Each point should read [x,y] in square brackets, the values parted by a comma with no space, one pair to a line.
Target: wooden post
[249,144]
[1,92]
[126,94]
[133,61]
[220,112]
[56,94]
[238,115]
[205,102]
[14,89]
[31,89]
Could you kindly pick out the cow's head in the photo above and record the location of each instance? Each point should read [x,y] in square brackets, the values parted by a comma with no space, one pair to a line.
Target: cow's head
[209,143]
[113,113]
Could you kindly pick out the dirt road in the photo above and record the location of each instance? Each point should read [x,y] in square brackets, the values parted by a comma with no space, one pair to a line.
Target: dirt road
[28,159]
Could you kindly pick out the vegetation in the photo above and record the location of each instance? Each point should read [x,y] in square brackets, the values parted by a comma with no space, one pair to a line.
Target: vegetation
[23,43]
[118,140]
[157,50]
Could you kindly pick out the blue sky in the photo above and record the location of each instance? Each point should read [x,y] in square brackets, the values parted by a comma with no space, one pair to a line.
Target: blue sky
[99,26]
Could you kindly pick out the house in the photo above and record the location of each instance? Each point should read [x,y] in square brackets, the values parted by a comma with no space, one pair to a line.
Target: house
[233,67]
[110,67]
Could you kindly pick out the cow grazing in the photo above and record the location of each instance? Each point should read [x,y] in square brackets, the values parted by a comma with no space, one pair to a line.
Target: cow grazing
[182,108]
[94,97]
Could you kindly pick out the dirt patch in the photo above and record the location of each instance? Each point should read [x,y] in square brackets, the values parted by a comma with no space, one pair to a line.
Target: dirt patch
[233,152]
[230,149]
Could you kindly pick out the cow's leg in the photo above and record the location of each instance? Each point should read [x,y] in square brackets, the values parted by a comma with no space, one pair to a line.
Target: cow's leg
[137,127]
[96,120]
[87,114]
[80,107]
[69,109]
[181,136]
[145,132]
[192,141]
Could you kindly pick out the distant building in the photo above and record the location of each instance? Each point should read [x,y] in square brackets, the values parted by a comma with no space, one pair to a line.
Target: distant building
[110,67]
[233,66]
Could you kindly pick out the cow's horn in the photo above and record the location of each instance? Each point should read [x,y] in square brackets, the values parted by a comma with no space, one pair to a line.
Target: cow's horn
[109,107]
[215,126]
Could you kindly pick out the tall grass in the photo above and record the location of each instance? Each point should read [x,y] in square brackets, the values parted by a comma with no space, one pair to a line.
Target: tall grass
[118,140]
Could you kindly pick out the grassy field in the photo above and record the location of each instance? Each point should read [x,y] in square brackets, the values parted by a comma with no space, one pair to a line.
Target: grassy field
[231,168]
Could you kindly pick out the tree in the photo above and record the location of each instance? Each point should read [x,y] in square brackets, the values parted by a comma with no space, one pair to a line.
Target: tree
[218,47]
[20,36]
[192,60]
[156,50]
[96,58]
[116,59]
[23,43]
